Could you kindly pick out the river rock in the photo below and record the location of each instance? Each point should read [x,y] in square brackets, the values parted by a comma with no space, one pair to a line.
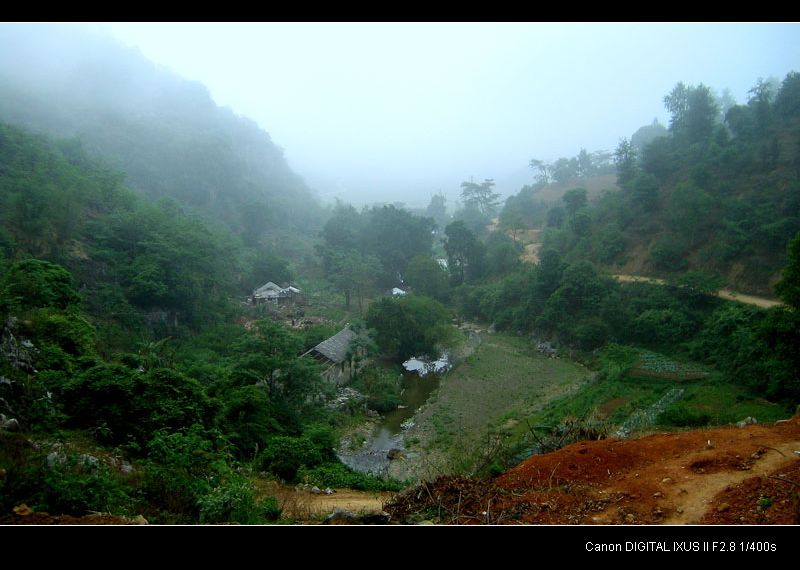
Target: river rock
[89,461]
[396,454]
[56,458]
[749,420]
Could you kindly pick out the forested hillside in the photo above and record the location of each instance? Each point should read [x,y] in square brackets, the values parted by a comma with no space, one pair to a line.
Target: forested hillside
[718,192]
[164,132]
[120,359]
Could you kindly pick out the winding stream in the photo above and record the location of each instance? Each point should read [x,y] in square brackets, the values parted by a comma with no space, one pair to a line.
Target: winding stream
[419,381]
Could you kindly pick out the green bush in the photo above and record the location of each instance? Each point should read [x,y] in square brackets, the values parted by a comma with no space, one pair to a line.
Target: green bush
[75,489]
[680,414]
[233,500]
[269,509]
[285,455]
[381,387]
[616,361]
[133,405]
[249,419]
[102,395]
[67,484]
[338,475]
[33,283]
[182,468]
[668,254]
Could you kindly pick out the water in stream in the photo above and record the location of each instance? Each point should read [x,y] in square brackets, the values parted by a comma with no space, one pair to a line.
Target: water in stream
[419,381]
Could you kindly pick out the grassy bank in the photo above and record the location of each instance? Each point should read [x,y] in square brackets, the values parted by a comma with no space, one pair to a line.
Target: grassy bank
[484,397]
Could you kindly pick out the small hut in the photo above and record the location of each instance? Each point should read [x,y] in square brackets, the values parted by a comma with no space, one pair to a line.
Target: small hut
[275,294]
[333,355]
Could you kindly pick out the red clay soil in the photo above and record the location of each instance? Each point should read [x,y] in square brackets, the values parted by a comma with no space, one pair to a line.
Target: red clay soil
[723,475]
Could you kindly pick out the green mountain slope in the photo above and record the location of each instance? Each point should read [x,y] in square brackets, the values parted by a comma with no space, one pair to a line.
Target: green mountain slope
[716,194]
[164,132]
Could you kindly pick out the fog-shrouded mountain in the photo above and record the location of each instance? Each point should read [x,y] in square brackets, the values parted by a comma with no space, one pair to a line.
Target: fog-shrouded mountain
[166,133]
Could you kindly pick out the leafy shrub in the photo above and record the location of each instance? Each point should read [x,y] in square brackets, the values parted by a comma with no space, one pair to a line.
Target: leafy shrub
[134,405]
[616,361]
[249,419]
[35,283]
[680,414]
[102,395]
[269,509]
[338,475]
[668,254]
[285,455]
[233,500]
[381,387]
[181,469]
[75,489]
[66,484]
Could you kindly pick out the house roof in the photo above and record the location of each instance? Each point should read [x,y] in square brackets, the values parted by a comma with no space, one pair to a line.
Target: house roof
[336,347]
[268,286]
[270,290]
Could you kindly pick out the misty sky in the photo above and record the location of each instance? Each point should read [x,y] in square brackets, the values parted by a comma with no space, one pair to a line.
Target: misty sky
[399,111]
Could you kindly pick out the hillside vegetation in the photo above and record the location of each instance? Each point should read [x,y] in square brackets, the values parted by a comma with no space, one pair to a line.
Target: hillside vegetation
[716,192]
[124,384]
[165,133]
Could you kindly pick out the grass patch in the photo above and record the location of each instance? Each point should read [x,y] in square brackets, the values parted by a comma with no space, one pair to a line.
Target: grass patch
[726,404]
[505,378]
[611,400]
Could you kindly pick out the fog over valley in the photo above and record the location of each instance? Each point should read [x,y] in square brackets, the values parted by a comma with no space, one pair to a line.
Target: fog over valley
[370,112]
[401,273]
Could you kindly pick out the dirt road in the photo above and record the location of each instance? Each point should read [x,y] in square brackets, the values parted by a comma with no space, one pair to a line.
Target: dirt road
[762,302]
[303,505]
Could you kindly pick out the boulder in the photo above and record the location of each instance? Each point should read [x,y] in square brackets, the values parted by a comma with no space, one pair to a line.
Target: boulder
[396,454]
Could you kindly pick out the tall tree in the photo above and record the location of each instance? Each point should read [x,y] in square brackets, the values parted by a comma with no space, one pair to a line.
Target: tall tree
[625,160]
[575,200]
[437,210]
[693,111]
[585,165]
[464,252]
[480,196]
[427,277]
[409,326]
[544,170]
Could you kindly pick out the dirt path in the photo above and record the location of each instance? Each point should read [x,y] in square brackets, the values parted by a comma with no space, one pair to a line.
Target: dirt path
[699,497]
[303,505]
[749,299]
[531,253]
[684,488]
[722,293]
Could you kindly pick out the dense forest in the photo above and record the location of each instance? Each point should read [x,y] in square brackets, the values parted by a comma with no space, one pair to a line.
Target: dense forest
[137,217]
[717,192]
[117,327]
